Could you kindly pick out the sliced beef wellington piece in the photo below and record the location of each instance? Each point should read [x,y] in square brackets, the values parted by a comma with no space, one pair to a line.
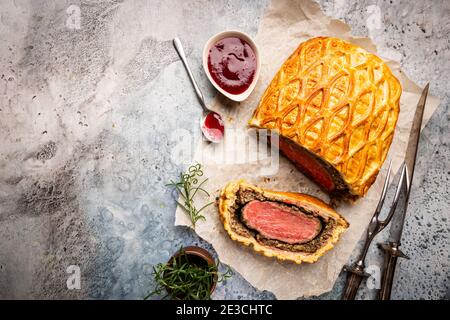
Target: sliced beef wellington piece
[273,220]
[288,226]
[335,107]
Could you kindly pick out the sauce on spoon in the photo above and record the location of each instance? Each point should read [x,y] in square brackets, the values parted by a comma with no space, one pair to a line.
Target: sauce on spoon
[213,127]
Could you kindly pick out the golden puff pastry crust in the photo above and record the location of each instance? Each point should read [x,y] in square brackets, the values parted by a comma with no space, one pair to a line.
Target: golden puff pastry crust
[230,204]
[339,103]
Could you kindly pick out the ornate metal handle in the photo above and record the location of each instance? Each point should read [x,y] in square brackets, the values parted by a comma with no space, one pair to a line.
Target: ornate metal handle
[392,253]
[354,278]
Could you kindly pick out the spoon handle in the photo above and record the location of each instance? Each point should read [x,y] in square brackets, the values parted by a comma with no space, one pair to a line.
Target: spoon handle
[179,48]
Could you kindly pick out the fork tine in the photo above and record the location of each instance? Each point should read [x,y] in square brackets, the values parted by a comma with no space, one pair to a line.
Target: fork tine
[402,176]
[402,180]
[384,191]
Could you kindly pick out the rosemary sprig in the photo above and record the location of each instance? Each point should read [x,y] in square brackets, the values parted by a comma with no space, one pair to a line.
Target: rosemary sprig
[187,187]
[184,280]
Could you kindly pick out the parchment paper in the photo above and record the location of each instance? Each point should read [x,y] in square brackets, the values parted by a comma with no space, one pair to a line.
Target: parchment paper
[284,26]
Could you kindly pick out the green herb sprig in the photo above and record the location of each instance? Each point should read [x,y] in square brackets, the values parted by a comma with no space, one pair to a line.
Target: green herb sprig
[183,280]
[187,187]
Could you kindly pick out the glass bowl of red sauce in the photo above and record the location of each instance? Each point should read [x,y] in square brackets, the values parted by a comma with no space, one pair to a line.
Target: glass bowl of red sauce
[231,62]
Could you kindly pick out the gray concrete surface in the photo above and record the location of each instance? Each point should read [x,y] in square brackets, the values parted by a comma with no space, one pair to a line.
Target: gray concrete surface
[86,115]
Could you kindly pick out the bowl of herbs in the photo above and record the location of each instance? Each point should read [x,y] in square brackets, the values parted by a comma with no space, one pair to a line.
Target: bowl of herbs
[190,274]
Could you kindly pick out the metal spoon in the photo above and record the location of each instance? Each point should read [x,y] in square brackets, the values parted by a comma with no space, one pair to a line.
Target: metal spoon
[211,122]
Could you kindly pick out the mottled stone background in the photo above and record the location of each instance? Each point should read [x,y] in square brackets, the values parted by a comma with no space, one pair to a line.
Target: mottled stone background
[87,108]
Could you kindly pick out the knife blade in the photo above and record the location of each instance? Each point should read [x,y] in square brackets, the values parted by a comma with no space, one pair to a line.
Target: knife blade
[391,248]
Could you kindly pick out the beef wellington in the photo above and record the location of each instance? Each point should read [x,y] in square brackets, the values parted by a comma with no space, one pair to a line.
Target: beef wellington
[289,226]
[335,107]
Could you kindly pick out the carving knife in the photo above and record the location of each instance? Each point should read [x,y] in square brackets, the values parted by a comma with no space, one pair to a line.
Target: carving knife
[392,247]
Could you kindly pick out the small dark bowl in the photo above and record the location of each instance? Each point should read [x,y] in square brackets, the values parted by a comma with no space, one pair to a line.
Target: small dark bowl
[198,256]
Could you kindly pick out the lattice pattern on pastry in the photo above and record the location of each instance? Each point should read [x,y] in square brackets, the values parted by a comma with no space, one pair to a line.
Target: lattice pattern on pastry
[338,101]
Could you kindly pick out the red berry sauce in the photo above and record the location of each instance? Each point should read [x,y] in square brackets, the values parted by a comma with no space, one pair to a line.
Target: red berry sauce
[232,64]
